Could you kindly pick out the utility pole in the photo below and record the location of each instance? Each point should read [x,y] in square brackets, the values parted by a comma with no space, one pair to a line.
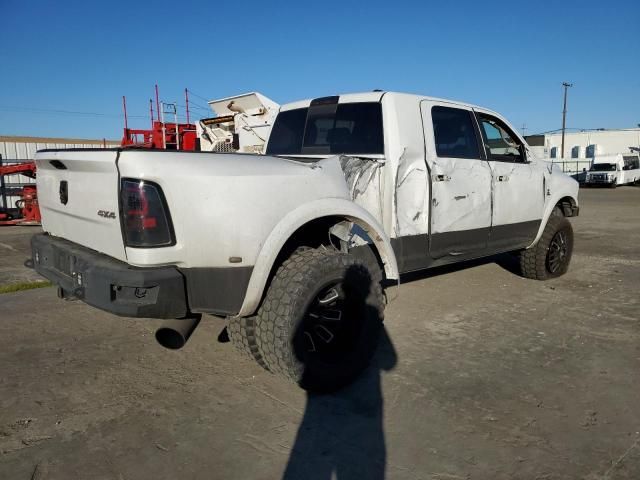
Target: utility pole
[564,114]
[524,129]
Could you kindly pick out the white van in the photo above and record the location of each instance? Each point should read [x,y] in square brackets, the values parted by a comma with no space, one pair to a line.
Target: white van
[614,170]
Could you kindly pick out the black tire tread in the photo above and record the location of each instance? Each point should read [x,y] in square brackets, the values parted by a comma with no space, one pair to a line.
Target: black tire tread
[533,260]
[287,289]
[241,332]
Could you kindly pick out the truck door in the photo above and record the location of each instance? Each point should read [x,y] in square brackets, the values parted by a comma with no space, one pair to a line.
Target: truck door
[518,186]
[460,205]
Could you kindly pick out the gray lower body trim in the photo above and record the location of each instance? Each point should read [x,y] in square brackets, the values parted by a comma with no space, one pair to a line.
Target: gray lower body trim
[513,236]
[418,252]
[219,291]
[459,243]
[412,252]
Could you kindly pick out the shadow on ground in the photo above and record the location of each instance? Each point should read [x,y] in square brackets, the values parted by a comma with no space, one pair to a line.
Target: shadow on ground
[341,435]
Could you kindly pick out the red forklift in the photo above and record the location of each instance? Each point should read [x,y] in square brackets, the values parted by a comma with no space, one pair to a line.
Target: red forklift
[26,210]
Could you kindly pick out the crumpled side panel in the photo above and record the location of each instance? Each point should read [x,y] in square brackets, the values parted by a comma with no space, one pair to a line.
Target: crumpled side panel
[364,181]
[412,197]
[410,200]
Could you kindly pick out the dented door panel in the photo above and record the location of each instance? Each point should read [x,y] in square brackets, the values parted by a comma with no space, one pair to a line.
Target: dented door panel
[460,204]
[518,187]
[518,192]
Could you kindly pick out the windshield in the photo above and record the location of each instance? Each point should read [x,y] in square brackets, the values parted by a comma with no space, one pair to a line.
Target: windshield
[328,129]
[603,167]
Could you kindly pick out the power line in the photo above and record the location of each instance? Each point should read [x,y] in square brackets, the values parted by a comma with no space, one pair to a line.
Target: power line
[203,108]
[191,104]
[52,111]
[196,95]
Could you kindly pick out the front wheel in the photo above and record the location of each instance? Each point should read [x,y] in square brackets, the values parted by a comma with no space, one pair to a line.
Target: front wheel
[551,255]
[321,319]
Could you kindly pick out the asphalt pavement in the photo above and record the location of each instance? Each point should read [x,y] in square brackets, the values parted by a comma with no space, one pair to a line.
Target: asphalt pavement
[481,375]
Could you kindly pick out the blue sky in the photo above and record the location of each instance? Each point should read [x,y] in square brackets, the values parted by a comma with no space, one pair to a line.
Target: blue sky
[508,56]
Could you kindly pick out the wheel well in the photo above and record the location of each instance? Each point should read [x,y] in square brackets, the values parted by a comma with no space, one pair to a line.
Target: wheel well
[311,234]
[567,206]
[314,234]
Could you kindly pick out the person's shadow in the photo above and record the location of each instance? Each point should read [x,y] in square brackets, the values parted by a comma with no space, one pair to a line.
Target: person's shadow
[342,435]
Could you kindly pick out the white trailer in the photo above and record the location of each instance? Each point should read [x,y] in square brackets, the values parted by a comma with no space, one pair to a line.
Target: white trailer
[242,124]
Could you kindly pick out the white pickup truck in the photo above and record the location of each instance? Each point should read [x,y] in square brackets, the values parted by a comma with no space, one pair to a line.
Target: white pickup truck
[296,246]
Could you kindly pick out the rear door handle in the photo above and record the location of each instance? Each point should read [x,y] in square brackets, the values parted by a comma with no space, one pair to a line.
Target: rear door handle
[441,178]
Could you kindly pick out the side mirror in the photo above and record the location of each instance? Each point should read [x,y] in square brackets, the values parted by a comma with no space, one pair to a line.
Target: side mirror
[523,154]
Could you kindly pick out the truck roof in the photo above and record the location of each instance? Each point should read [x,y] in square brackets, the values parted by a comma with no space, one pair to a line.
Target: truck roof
[376,96]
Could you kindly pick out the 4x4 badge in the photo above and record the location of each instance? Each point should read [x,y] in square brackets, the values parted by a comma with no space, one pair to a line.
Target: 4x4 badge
[106,214]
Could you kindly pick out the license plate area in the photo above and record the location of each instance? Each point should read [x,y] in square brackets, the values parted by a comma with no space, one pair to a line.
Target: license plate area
[64,263]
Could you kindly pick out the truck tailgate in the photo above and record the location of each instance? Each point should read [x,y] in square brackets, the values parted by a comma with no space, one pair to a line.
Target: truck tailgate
[78,197]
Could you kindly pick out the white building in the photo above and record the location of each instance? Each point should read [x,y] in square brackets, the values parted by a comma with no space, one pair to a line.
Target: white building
[581,148]
[585,145]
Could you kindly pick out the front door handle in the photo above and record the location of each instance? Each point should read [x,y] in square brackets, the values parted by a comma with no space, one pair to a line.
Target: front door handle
[503,178]
[441,178]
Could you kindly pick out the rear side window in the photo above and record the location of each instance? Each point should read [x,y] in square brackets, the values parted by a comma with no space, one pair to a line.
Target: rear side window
[286,136]
[454,133]
[346,128]
[329,129]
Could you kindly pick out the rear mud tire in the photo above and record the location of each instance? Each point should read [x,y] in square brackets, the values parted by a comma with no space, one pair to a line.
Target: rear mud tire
[242,335]
[321,319]
[551,255]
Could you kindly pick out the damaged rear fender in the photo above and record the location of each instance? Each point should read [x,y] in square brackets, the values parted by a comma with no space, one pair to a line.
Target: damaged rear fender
[329,207]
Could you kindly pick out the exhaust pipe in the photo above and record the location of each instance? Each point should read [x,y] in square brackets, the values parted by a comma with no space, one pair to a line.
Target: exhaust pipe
[175,333]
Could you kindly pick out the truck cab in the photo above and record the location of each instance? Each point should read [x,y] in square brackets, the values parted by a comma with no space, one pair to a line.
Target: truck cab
[457,180]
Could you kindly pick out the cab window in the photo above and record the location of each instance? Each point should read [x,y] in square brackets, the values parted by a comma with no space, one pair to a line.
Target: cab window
[454,133]
[499,142]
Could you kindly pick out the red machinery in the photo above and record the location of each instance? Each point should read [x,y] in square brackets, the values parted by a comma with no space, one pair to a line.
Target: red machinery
[28,203]
[162,135]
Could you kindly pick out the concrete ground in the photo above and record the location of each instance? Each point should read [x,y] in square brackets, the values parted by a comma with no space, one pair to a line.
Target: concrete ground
[14,250]
[483,375]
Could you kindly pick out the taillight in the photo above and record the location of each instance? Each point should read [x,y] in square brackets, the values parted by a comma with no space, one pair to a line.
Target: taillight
[145,217]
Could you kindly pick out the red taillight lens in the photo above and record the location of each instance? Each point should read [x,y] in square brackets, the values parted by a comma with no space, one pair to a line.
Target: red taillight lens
[145,218]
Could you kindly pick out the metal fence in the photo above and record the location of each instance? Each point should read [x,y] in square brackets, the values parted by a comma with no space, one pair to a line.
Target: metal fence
[574,167]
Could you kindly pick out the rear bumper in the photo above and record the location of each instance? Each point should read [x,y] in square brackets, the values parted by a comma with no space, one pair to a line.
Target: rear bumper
[109,284]
[150,292]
